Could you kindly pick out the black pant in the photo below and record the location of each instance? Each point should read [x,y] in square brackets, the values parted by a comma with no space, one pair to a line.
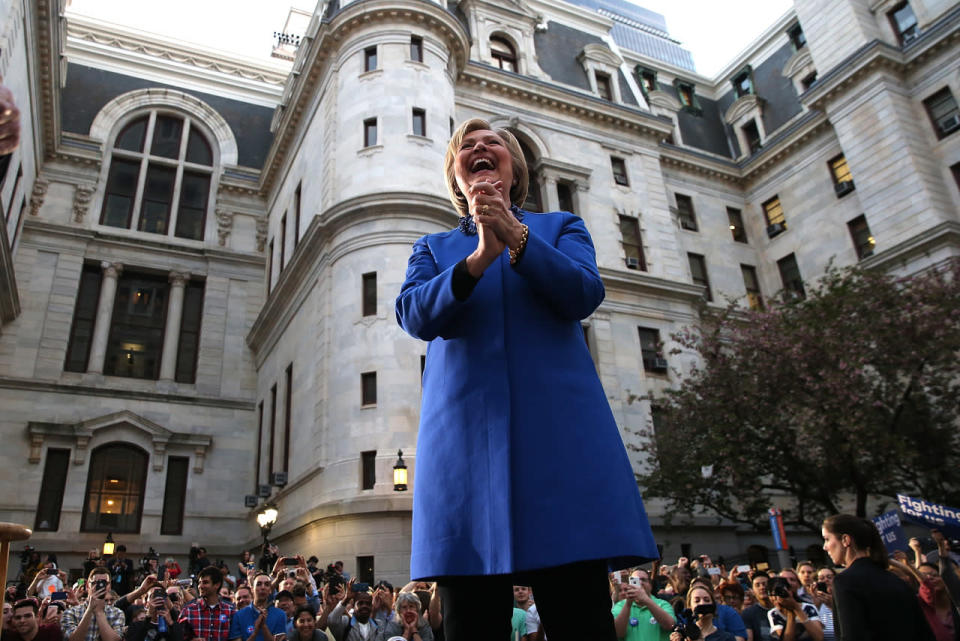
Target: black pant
[573,602]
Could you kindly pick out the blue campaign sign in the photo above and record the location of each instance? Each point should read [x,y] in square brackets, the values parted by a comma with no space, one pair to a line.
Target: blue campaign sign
[933,515]
[891,532]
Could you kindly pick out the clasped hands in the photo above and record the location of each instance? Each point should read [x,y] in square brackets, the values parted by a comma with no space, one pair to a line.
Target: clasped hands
[497,228]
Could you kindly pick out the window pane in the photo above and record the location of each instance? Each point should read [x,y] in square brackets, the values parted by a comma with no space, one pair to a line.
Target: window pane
[131,138]
[174,495]
[790,275]
[191,214]
[188,346]
[370,294]
[685,214]
[198,150]
[368,469]
[416,48]
[736,225]
[84,314]
[157,196]
[115,489]
[650,350]
[120,193]
[136,333]
[863,241]
[370,132]
[773,211]
[368,384]
[840,169]
[166,137]
[51,490]
[698,272]
[369,58]
[603,86]
[565,196]
[419,122]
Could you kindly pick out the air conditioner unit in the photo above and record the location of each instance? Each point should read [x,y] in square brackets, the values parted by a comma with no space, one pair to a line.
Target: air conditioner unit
[659,364]
[949,124]
[278,478]
[910,35]
[250,500]
[775,228]
[633,263]
[844,188]
[263,491]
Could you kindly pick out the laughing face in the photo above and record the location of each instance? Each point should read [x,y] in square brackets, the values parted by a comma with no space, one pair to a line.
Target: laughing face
[483,157]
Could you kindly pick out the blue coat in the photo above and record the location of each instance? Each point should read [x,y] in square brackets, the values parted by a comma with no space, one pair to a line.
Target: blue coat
[520,465]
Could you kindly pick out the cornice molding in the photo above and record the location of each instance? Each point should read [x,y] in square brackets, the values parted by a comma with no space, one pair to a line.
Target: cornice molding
[313,251]
[945,235]
[742,106]
[49,67]
[543,95]
[317,52]
[633,282]
[126,41]
[599,53]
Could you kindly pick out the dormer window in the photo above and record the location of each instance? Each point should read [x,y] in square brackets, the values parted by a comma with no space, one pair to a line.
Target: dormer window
[603,86]
[743,83]
[797,37]
[647,78]
[687,95]
[503,53]
[752,136]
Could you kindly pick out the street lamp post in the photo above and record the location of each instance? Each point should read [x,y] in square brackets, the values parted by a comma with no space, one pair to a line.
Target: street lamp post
[265,519]
[108,546]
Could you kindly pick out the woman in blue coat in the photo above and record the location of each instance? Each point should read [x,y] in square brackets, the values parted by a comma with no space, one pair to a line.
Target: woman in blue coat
[522,476]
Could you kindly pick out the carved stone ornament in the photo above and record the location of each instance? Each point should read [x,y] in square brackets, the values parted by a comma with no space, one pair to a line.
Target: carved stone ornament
[261,233]
[81,201]
[37,195]
[225,225]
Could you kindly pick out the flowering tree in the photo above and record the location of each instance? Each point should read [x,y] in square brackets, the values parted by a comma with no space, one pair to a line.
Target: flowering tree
[851,393]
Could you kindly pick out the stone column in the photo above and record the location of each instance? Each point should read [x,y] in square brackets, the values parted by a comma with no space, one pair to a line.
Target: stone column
[101,326]
[171,333]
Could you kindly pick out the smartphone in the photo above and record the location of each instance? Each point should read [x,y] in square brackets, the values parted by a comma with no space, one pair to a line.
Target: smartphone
[100,585]
[743,569]
[616,577]
[361,587]
[763,566]
[184,583]
[713,571]
[821,586]
[635,580]
[58,596]
[290,560]
[51,571]
[158,593]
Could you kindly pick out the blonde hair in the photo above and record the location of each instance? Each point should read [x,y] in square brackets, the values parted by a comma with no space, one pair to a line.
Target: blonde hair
[521,175]
[699,586]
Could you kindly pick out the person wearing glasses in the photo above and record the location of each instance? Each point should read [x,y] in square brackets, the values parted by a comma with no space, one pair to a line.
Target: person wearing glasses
[639,616]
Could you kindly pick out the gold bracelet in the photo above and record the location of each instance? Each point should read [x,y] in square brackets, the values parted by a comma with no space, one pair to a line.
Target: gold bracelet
[515,254]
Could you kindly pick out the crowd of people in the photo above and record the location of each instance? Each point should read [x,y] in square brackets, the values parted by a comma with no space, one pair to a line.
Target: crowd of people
[297,600]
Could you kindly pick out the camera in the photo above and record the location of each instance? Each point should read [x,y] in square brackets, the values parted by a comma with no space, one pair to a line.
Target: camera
[290,560]
[821,586]
[779,586]
[100,585]
[685,626]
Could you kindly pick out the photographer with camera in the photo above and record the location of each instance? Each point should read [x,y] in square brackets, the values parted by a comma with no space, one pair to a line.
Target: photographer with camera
[47,580]
[640,616]
[696,622]
[159,622]
[791,619]
[95,620]
[121,569]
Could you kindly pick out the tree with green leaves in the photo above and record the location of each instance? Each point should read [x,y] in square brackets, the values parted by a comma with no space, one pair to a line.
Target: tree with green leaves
[817,404]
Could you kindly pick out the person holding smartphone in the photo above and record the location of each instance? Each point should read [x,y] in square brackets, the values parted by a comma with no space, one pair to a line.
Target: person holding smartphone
[640,616]
[94,620]
[29,625]
[159,623]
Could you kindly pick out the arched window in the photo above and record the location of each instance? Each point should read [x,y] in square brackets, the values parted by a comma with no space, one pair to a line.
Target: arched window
[503,53]
[161,168]
[114,498]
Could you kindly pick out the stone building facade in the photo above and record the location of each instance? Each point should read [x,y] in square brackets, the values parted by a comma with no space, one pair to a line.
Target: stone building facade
[201,252]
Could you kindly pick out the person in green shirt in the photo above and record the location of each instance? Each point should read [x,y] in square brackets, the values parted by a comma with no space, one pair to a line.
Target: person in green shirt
[518,625]
[640,616]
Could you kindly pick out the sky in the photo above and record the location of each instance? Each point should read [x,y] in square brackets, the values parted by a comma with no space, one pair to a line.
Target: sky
[715,32]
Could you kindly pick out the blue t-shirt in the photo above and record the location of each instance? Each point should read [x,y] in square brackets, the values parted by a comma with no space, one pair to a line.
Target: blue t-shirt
[242,624]
[729,620]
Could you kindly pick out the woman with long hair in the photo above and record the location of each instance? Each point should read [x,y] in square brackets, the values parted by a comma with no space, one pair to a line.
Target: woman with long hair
[871,603]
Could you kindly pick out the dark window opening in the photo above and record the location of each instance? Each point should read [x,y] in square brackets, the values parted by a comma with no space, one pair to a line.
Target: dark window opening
[863,241]
[619,171]
[287,415]
[365,569]
[751,134]
[904,23]
[416,48]
[273,431]
[369,132]
[370,294]
[797,37]
[632,243]
[565,195]
[283,241]
[752,284]
[790,276]
[840,172]
[270,266]
[942,109]
[647,79]
[807,81]
[650,351]
[256,472]
[743,83]
[174,495]
[604,89]
[84,317]
[139,318]
[114,495]
[368,388]
[773,212]
[685,214]
[503,53]
[419,122]
[735,218]
[51,490]
[698,272]
[188,347]
[368,470]
[296,216]
[369,58]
